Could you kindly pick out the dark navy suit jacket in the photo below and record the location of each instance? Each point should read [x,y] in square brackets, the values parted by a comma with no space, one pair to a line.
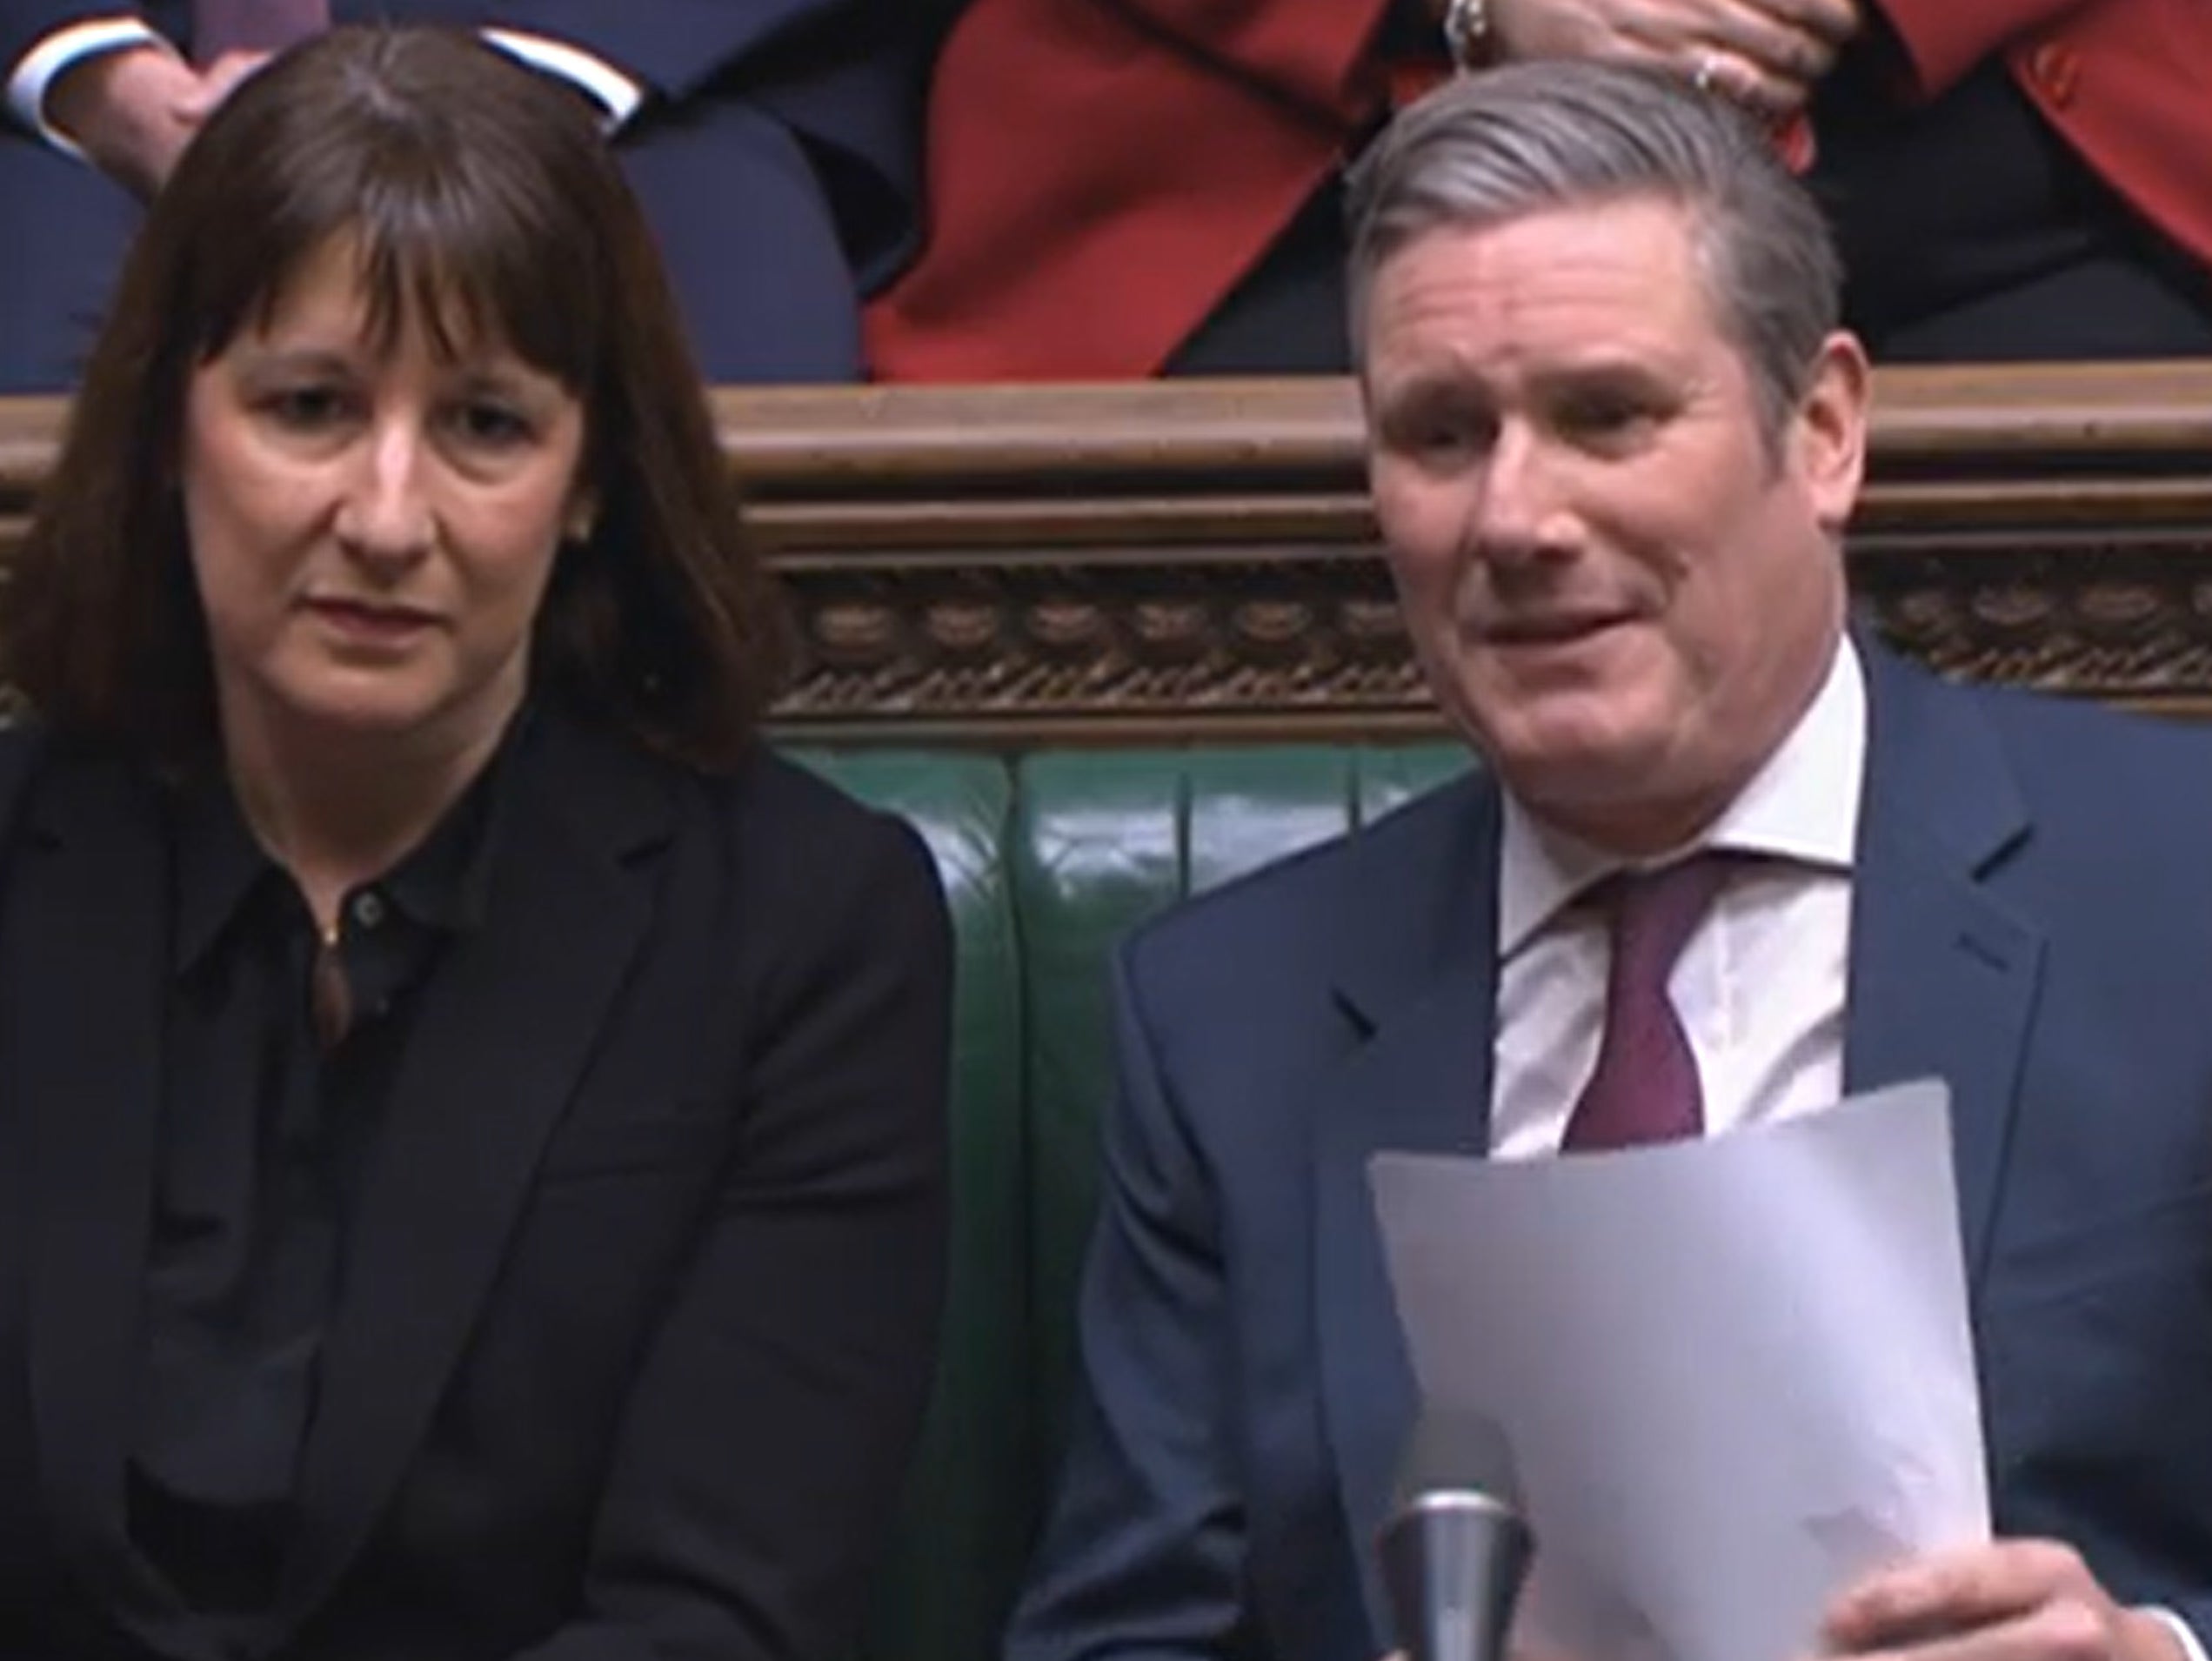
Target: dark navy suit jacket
[2031,919]
[776,158]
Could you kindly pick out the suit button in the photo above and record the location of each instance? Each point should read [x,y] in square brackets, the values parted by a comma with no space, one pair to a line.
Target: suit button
[2056,70]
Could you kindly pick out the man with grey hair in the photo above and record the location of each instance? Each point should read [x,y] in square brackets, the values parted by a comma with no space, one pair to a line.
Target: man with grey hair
[1724,860]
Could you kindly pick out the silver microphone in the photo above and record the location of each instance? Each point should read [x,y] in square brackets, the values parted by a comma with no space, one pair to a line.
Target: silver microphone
[1454,1551]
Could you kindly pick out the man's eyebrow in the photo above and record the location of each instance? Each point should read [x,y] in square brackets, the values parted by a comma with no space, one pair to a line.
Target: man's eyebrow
[1425,389]
[1608,370]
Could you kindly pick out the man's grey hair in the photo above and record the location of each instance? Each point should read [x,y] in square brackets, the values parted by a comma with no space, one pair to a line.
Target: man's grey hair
[1523,139]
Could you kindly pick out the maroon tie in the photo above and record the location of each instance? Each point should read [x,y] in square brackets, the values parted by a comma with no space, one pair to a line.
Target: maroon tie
[220,26]
[1646,1086]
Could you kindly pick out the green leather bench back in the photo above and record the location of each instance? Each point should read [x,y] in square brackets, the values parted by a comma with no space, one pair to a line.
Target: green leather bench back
[1048,859]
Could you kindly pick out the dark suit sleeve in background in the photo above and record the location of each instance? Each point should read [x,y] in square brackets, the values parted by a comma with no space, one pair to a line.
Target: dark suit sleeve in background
[23,23]
[2196,1614]
[676,47]
[844,76]
[763,1447]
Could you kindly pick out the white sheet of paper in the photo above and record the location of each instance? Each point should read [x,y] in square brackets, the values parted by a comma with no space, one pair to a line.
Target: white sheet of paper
[1735,1373]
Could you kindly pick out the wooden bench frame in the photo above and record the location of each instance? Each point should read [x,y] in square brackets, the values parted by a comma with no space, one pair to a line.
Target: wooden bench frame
[1195,559]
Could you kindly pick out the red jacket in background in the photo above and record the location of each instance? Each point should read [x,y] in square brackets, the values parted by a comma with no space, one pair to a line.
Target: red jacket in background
[1100,173]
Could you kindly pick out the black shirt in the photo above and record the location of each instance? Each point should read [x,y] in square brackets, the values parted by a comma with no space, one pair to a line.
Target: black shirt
[265,1135]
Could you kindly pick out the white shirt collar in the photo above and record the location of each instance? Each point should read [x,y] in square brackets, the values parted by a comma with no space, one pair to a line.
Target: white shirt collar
[1801,806]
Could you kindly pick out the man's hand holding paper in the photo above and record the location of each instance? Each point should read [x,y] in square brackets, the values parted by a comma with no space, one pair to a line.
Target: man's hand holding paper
[2009,1600]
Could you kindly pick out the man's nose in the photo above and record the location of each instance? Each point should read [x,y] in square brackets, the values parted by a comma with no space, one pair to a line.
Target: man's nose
[1517,514]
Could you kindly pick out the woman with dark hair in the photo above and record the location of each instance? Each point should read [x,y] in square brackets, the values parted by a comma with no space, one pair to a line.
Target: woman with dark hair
[471,1142]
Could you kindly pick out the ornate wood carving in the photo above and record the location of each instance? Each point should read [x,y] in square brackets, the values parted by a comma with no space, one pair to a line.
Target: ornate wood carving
[1182,559]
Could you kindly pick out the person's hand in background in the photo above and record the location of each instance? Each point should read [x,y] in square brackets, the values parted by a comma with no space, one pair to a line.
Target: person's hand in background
[1768,54]
[132,111]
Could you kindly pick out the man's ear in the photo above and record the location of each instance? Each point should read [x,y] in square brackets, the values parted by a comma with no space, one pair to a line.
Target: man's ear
[1828,433]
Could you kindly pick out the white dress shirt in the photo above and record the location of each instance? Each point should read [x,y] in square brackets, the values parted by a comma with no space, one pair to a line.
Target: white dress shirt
[1759,988]
[39,68]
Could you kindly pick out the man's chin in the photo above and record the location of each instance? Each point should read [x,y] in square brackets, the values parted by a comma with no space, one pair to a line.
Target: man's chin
[1612,787]
[1582,748]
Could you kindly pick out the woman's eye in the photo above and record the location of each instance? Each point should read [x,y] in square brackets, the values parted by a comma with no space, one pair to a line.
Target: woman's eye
[491,424]
[306,409]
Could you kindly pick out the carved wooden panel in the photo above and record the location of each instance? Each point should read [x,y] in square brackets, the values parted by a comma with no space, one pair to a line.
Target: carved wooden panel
[1181,559]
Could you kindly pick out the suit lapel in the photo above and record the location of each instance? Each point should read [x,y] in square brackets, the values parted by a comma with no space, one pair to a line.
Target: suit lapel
[1943,976]
[87,968]
[1418,981]
[506,1025]
[1942,981]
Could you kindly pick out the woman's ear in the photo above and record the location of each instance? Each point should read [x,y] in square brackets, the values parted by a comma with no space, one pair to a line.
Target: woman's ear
[582,518]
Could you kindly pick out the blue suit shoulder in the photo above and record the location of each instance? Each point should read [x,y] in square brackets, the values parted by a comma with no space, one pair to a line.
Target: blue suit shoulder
[1284,928]
[2067,751]
[2095,821]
